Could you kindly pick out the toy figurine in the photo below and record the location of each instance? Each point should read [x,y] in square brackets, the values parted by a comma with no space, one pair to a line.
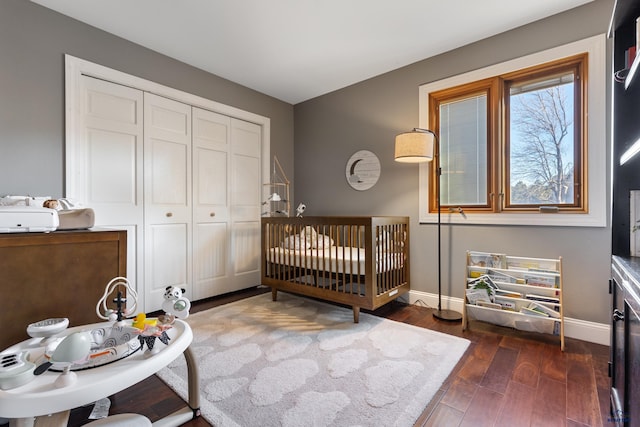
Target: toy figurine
[175,304]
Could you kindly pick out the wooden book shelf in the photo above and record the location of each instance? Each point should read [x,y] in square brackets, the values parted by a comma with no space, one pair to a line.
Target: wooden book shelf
[518,292]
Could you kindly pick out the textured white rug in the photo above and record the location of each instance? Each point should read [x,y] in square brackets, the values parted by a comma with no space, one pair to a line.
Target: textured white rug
[299,362]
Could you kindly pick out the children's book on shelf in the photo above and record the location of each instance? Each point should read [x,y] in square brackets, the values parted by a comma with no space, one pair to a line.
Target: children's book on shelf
[488,260]
[506,304]
[533,312]
[482,283]
[489,305]
[476,295]
[539,280]
[543,298]
[532,264]
[508,293]
[499,276]
[544,309]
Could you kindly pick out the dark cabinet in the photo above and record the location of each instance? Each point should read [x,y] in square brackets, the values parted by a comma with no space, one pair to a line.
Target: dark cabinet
[625,283]
[625,341]
[57,274]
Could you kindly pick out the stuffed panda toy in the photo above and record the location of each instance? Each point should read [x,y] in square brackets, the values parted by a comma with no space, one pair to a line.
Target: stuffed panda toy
[175,304]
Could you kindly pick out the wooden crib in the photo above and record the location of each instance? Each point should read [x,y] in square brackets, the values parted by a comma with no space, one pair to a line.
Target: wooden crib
[362,262]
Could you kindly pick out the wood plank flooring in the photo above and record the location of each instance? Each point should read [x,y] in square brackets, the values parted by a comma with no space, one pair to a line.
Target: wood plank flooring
[506,378]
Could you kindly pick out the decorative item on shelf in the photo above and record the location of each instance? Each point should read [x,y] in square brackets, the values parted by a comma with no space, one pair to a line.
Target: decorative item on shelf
[363,170]
[421,145]
[277,202]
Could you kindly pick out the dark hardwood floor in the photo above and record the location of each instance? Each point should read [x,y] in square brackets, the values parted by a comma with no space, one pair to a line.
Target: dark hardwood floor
[506,378]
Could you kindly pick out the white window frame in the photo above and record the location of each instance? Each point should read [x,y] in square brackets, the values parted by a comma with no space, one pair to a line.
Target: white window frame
[597,141]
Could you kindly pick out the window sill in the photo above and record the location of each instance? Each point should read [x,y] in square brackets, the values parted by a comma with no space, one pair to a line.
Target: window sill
[597,219]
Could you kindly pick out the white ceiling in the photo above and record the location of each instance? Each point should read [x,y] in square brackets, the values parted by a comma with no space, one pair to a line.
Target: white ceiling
[295,50]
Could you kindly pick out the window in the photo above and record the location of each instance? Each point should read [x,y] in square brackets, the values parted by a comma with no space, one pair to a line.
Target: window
[513,140]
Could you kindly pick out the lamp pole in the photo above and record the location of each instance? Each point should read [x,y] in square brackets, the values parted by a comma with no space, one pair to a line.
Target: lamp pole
[414,147]
[449,315]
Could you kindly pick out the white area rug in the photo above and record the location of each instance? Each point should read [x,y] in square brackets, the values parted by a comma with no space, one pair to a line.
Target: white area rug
[299,362]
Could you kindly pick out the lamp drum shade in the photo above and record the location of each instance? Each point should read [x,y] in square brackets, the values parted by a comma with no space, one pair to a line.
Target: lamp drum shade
[414,147]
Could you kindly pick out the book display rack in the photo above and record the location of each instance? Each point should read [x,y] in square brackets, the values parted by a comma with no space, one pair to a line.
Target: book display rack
[517,292]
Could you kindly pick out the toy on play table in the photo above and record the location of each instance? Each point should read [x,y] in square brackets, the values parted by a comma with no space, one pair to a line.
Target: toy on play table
[175,304]
[149,330]
[117,284]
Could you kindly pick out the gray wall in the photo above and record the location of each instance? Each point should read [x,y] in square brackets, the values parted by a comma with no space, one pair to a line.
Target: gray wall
[368,115]
[328,129]
[33,41]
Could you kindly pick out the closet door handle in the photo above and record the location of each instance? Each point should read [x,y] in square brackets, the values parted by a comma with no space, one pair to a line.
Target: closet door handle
[168,214]
[618,315]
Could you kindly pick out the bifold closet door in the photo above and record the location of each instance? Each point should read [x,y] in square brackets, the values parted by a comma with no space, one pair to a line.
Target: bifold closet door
[211,216]
[184,182]
[226,200]
[104,169]
[167,198]
[246,203]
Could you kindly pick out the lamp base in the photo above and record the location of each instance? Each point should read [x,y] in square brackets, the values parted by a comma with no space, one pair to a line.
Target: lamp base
[448,315]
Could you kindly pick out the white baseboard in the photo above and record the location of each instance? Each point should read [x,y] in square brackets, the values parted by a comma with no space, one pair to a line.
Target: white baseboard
[583,330]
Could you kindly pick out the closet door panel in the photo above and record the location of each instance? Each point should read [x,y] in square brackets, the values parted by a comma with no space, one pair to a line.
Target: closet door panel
[105,170]
[111,163]
[211,213]
[246,195]
[169,180]
[246,138]
[167,206]
[168,265]
[246,242]
[246,188]
[212,179]
[211,259]
[104,161]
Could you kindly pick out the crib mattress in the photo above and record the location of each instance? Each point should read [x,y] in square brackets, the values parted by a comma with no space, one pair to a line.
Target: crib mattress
[336,259]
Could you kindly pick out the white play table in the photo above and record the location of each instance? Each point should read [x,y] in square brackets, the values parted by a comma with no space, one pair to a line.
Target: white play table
[40,397]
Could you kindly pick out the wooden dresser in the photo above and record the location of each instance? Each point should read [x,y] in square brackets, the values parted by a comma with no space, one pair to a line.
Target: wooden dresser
[57,274]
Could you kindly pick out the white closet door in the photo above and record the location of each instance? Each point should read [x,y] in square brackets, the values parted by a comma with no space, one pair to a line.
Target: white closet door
[167,194]
[227,199]
[104,161]
[211,215]
[245,203]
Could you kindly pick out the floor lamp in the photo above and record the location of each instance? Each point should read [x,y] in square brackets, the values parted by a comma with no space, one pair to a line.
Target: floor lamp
[418,146]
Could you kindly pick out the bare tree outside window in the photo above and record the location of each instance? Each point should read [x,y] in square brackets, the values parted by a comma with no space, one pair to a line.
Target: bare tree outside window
[541,145]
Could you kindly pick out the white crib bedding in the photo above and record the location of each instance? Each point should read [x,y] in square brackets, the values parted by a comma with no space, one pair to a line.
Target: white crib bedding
[335,259]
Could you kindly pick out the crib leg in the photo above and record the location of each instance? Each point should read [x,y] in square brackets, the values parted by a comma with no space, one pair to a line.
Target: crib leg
[356,314]
[274,294]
